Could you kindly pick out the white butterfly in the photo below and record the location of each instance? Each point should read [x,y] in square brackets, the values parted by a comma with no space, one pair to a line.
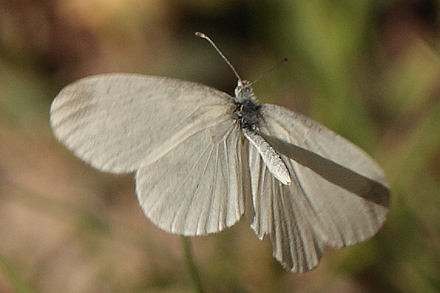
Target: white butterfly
[204,158]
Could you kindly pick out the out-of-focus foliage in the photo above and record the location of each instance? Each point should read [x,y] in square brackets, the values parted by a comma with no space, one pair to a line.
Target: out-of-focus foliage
[369,70]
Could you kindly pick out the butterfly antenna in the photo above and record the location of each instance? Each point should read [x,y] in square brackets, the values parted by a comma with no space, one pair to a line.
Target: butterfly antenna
[203,36]
[269,71]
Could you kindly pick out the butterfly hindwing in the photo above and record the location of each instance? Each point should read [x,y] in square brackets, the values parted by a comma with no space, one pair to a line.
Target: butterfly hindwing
[197,187]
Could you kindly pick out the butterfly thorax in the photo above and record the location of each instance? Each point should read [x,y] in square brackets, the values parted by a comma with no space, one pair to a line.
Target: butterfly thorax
[247,109]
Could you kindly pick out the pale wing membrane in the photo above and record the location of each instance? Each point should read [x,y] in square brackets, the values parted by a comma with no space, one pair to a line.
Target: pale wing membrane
[197,187]
[115,121]
[285,216]
[317,209]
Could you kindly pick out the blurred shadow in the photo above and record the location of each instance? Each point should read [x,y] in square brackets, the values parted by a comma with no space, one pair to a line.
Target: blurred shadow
[333,172]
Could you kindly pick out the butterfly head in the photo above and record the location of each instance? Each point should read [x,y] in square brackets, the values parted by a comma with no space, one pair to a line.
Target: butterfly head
[244,91]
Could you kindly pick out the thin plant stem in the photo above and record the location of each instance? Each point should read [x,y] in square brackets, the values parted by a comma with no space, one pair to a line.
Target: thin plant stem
[193,271]
[17,280]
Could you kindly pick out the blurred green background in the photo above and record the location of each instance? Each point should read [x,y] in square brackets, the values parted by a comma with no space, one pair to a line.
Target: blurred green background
[369,70]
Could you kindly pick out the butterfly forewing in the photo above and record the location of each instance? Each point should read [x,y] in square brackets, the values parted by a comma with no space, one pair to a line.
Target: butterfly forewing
[317,209]
[115,121]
